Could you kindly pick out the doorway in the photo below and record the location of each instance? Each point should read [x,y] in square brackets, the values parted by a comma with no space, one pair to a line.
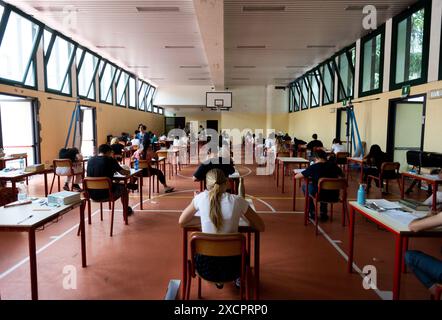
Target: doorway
[341,125]
[174,123]
[18,127]
[212,124]
[89,131]
[406,128]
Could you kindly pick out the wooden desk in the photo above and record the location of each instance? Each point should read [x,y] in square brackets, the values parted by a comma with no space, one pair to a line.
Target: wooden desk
[361,163]
[15,176]
[195,225]
[5,159]
[138,174]
[433,179]
[25,218]
[285,162]
[400,231]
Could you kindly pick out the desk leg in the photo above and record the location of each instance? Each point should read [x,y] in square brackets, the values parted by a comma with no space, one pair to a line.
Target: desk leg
[256,264]
[126,203]
[403,187]
[294,193]
[434,206]
[83,234]
[46,184]
[351,229]
[306,203]
[277,173]
[33,264]
[283,174]
[140,188]
[348,170]
[404,249]
[397,267]
[184,284]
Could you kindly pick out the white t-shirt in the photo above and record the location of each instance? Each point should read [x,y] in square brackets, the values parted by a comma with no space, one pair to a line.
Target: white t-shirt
[338,148]
[135,142]
[233,207]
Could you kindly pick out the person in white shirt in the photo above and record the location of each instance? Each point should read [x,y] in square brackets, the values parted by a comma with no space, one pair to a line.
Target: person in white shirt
[135,141]
[337,146]
[163,137]
[220,212]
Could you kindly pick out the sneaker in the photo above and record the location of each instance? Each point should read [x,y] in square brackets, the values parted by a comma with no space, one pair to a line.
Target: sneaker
[77,188]
[237,283]
[66,187]
[168,190]
[219,285]
[130,211]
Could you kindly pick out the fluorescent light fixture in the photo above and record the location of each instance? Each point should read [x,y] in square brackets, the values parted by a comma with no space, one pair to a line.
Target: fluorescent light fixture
[199,79]
[111,47]
[244,67]
[321,46]
[54,9]
[158,9]
[361,8]
[138,67]
[296,67]
[240,79]
[252,47]
[179,47]
[263,8]
[191,67]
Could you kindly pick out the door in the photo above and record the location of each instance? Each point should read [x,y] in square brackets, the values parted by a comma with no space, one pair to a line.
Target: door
[175,123]
[88,129]
[406,127]
[18,127]
[212,124]
[341,125]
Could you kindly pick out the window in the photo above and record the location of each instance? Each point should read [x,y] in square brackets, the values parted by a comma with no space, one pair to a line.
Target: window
[122,83]
[372,63]
[106,82]
[304,93]
[87,67]
[161,111]
[155,109]
[291,97]
[346,69]
[18,46]
[297,97]
[142,96]
[132,93]
[58,61]
[313,79]
[149,98]
[410,46]
[1,11]
[328,82]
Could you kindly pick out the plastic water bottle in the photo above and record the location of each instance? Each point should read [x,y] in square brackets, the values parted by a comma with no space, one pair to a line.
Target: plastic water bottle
[136,164]
[361,195]
[22,192]
[22,164]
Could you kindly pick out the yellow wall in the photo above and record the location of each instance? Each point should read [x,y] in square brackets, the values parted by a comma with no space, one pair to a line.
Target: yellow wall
[237,120]
[55,116]
[372,119]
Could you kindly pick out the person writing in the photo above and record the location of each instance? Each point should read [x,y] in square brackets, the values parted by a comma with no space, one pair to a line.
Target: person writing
[220,212]
[425,267]
[320,169]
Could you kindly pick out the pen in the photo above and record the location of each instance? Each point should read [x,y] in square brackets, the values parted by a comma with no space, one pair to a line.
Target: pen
[29,217]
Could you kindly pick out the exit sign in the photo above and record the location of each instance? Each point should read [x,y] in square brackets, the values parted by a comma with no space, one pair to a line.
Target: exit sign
[406,91]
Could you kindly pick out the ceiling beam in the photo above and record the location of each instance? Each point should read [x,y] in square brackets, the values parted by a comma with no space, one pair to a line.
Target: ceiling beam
[210,16]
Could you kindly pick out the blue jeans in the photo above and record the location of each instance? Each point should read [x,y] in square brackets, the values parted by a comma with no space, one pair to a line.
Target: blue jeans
[312,190]
[426,268]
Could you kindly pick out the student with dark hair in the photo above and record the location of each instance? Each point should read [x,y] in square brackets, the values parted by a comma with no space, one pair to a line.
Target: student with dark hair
[426,268]
[337,146]
[214,161]
[315,143]
[320,169]
[75,156]
[104,165]
[374,160]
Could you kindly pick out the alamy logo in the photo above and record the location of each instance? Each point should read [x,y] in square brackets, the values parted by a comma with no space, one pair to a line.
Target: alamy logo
[370,278]
[70,278]
[370,20]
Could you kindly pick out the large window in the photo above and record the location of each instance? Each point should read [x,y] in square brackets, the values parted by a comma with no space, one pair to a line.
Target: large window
[410,46]
[304,94]
[313,79]
[328,82]
[18,46]
[346,70]
[297,91]
[107,76]
[87,67]
[122,84]
[142,96]
[132,93]
[149,98]
[58,61]
[291,98]
[372,63]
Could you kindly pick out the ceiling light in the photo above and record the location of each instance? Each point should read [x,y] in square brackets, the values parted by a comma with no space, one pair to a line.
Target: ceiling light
[361,8]
[191,67]
[199,79]
[240,78]
[252,47]
[179,47]
[245,67]
[158,9]
[321,46]
[54,9]
[263,8]
[111,47]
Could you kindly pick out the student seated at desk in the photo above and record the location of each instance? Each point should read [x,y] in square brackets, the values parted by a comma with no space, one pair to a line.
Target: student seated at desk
[426,268]
[374,159]
[214,161]
[75,156]
[315,143]
[103,165]
[320,169]
[220,212]
[337,146]
[146,153]
[117,148]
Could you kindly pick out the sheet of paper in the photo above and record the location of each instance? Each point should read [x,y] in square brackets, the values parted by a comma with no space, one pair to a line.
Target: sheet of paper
[401,217]
[385,204]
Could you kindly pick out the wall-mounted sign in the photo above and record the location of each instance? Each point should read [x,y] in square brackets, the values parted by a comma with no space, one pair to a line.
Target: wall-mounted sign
[406,91]
[436,94]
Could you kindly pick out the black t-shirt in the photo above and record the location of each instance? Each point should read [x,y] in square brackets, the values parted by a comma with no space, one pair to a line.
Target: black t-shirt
[101,166]
[314,144]
[224,164]
[117,148]
[323,170]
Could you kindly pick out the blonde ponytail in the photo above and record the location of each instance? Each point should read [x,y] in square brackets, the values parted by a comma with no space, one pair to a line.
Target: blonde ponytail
[216,183]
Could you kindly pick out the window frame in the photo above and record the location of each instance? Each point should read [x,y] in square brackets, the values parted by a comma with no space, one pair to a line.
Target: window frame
[119,99]
[150,105]
[92,85]
[111,88]
[47,57]
[423,4]
[379,31]
[291,97]
[303,98]
[161,111]
[336,62]
[297,105]
[136,81]
[143,99]
[4,19]
[314,74]
[329,64]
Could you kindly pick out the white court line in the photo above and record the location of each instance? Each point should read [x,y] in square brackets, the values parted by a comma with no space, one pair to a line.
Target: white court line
[23,261]
[382,294]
